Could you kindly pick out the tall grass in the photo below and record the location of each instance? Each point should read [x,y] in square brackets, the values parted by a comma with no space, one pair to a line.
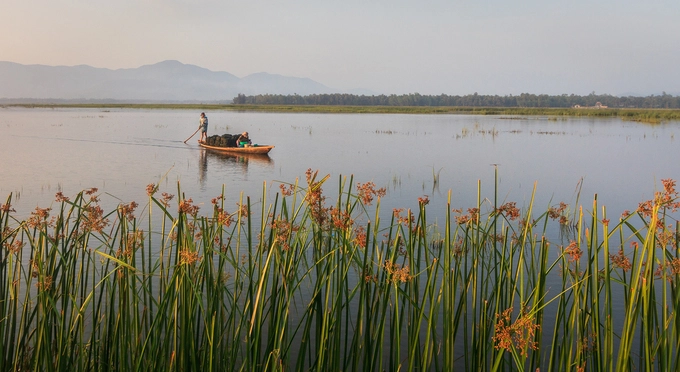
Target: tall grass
[645,115]
[310,283]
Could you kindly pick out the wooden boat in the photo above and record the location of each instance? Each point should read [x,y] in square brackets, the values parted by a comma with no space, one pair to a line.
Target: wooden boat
[259,149]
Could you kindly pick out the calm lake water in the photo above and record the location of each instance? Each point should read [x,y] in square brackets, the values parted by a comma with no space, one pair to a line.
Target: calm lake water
[44,151]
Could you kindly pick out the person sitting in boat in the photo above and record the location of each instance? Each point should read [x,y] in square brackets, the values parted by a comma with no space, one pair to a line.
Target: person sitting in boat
[243,140]
[203,126]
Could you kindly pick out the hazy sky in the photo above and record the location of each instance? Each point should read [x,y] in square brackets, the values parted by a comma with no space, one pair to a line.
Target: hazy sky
[392,46]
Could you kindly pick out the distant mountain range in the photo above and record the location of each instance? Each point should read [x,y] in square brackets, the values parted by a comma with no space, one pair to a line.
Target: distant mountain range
[167,81]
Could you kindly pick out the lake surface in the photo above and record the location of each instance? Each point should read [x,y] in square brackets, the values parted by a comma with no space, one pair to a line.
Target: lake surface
[44,151]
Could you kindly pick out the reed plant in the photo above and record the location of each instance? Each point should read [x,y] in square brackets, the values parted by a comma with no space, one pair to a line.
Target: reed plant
[310,283]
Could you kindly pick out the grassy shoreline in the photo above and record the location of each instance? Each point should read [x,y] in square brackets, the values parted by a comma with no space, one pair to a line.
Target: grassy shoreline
[633,114]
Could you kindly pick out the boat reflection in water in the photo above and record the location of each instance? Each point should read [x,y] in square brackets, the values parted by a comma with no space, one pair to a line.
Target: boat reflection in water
[221,162]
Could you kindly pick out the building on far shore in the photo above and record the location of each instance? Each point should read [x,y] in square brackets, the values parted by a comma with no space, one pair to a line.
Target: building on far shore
[598,105]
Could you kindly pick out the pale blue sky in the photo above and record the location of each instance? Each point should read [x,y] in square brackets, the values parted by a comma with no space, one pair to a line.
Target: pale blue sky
[395,46]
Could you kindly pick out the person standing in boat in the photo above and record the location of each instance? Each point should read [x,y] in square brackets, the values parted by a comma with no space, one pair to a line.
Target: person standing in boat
[203,126]
[243,140]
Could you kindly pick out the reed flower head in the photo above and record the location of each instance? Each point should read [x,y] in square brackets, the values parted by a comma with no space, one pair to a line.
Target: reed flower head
[242,210]
[573,251]
[621,261]
[646,208]
[60,198]
[14,247]
[458,248]
[216,200]
[672,269]
[423,200]
[187,206]
[94,218]
[166,199]
[91,193]
[38,217]
[402,219]
[283,230]
[367,192]
[519,334]
[557,212]
[191,227]
[674,266]
[564,220]
[127,210]
[6,208]
[368,278]
[133,240]
[223,217]
[666,199]
[669,186]
[151,189]
[666,236]
[471,216]
[188,258]
[397,273]
[287,191]
[360,237]
[509,210]
[316,200]
[669,197]
[340,219]
[45,284]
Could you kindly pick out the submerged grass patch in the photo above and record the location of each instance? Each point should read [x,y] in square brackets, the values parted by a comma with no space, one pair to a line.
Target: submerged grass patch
[652,116]
[312,283]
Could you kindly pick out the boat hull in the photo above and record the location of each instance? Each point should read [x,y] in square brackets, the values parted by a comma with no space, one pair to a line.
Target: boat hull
[260,149]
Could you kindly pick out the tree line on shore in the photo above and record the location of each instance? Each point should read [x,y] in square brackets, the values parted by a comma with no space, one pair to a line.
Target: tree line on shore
[471,100]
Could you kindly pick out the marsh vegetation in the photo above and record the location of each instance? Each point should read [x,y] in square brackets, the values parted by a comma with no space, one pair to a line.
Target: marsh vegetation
[312,282]
[646,115]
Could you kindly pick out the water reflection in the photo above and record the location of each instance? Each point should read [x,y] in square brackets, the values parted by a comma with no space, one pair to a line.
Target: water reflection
[238,163]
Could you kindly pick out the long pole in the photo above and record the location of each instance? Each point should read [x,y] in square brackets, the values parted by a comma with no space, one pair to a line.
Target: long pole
[199,128]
